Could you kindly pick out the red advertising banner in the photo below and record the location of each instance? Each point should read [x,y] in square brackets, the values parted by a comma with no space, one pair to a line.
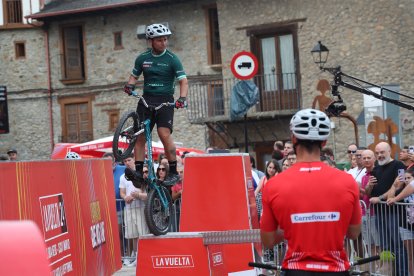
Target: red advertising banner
[73,204]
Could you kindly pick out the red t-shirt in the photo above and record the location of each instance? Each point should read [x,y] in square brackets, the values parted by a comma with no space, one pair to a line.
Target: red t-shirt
[314,204]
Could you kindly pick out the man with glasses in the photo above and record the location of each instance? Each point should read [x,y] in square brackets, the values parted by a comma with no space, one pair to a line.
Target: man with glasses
[352,149]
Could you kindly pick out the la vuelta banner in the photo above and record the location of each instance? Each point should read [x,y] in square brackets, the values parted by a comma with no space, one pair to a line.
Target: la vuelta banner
[73,204]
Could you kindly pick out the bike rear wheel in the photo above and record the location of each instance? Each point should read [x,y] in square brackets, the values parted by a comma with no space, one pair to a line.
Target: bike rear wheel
[125,135]
[157,216]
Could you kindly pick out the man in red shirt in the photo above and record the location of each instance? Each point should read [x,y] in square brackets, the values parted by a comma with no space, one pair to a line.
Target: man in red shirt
[311,205]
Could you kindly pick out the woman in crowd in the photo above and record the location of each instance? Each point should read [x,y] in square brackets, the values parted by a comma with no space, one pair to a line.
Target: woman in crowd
[272,168]
[285,164]
[162,172]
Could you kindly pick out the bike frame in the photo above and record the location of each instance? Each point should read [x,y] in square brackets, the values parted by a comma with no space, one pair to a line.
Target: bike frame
[151,173]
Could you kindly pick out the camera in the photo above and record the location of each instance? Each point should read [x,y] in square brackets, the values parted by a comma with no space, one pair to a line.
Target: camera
[336,108]
[411,149]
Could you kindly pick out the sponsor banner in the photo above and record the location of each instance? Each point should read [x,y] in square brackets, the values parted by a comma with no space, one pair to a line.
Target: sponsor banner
[216,258]
[171,256]
[315,217]
[73,204]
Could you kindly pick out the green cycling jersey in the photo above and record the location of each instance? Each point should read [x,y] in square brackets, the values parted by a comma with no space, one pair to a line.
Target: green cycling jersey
[160,72]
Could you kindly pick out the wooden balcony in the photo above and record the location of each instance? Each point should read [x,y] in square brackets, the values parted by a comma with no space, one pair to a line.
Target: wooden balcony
[209,100]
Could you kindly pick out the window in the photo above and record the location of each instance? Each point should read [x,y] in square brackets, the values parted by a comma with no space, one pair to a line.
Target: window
[20,49]
[118,41]
[213,36]
[76,120]
[13,11]
[73,63]
[278,79]
[113,119]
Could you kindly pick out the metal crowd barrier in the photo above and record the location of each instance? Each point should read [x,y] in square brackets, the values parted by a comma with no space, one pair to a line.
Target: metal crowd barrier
[386,230]
[128,247]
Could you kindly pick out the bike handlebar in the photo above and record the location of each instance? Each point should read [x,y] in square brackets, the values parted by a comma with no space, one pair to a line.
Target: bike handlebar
[275,267]
[365,260]
[265,266]
[140,98]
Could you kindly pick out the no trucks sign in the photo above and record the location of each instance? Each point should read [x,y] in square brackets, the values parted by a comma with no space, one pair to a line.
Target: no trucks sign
[244,65]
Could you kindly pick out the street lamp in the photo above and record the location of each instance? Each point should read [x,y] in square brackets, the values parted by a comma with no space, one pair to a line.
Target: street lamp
[320,54]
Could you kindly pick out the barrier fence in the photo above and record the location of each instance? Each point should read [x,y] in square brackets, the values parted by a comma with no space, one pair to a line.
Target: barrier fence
[136,215]
[387,231]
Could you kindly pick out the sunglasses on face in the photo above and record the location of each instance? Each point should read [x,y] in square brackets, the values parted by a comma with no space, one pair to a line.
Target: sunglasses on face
[161,169]
[145,171]
[352,151]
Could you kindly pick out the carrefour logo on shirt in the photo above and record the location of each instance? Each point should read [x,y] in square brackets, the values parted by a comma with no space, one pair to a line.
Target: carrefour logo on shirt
[315,217]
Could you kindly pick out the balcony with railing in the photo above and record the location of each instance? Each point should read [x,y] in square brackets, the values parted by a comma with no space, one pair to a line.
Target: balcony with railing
[209,100]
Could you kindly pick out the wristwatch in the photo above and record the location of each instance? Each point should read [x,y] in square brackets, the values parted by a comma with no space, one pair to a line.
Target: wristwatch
[381,197]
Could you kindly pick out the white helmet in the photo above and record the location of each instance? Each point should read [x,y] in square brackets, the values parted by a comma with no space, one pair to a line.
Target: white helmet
[156,30]
[310,124]
[72,155]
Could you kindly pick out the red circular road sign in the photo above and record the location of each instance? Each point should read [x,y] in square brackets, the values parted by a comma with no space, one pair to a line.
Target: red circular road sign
[244,65]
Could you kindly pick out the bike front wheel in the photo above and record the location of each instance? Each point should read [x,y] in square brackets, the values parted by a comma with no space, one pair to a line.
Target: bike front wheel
[125,135]
[158,216]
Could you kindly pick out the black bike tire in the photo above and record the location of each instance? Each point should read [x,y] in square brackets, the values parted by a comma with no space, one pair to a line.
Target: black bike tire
[121,156]
[149,206]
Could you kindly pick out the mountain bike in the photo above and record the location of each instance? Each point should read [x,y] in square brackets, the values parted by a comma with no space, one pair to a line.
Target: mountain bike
[159,206]
[352,270]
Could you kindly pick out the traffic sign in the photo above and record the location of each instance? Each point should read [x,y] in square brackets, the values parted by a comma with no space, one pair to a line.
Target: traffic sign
[244,65]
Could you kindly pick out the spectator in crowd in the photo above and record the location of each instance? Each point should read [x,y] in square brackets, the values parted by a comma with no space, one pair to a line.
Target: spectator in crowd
[134,217]
[72,155]
[352,149]
[328,161]
[407,223]
[176,192]
[406,157]
[359,170]
[185,153]
[118,171]
[295,202]
[256,174]
[354,163]
[4,157]
[278,145]
[384,176]
[12,153]
[272,169]
[287,148]
[162,172]
[291,157]
[328,152]
[285,164]
[369,230]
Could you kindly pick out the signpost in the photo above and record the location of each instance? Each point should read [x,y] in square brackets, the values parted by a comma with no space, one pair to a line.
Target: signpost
[244,66]
[4,118]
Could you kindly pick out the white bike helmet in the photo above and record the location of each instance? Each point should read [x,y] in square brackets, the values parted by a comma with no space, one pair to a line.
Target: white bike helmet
[72,155]
[310,124]
[156,30]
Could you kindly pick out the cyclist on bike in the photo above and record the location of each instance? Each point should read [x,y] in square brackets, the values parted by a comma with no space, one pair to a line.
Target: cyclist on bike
[160,68]
[311,205]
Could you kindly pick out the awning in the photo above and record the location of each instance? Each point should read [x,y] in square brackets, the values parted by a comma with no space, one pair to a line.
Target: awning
[61,8]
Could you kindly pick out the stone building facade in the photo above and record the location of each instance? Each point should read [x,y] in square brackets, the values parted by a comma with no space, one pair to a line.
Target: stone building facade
[372,41]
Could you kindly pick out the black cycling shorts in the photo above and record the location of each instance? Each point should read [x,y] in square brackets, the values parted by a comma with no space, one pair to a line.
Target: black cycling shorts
[313,273]
[163,117]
